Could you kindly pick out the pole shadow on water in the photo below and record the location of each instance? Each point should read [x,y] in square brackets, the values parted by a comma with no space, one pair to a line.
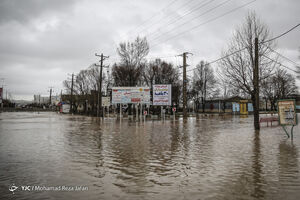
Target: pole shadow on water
[289,174]
[257,165]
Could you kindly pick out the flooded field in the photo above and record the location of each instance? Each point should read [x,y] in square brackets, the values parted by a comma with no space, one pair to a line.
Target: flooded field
[200,158]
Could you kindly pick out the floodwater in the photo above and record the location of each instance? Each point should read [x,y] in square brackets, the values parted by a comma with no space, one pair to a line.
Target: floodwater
[200,158]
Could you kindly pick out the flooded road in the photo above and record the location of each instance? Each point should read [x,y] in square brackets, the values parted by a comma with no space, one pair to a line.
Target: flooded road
[200,158]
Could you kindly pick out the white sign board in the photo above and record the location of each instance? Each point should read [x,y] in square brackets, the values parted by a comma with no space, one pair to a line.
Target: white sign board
[287,112]
[65,108]
[105,101]
[126,95]
[162,95]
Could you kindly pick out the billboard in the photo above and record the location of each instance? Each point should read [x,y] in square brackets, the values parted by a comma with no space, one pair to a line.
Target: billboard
[287,112]
[126,95]
[162,95]
[105,101]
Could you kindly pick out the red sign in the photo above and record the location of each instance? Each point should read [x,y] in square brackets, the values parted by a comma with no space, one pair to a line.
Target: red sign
[145,112]
[174,109]
[135,100]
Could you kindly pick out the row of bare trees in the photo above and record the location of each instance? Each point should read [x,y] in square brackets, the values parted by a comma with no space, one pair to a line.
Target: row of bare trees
[134,70]
[84,83]
[234,74]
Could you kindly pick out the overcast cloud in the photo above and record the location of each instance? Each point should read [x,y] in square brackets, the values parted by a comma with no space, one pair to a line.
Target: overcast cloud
[42,41]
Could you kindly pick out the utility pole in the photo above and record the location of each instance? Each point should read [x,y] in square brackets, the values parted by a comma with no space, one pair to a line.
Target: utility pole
[50,95]
[2,92]
[184,55]
[72,84]
[184,86]
[99,106]
[60,99]
[256,87]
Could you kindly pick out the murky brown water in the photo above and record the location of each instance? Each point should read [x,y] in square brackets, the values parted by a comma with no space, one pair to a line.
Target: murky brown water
[201,158]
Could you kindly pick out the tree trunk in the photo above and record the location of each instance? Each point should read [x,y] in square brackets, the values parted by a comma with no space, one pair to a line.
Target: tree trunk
[129,109]
[203,105]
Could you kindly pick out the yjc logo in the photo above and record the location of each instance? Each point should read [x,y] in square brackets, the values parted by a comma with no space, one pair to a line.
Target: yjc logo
[25,188]
[12,188]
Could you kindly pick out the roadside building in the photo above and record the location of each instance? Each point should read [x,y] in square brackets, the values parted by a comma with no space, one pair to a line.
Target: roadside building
[234,105]
[42,100]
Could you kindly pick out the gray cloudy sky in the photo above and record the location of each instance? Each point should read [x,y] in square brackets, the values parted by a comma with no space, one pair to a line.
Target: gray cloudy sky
[44,40]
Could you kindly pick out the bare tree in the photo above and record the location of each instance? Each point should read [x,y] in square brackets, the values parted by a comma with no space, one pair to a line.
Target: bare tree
[133,53]
[204,83]
[127,75]
[161,72]
[85,81]
[298,70]
[81,85]
[237,69]
[129,71]
[278,86]
[93,76]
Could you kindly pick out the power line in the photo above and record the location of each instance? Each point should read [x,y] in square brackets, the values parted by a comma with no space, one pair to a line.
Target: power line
[201,5]
[154,58]
[291,61]
[214,61]
[280,63]
[150,18]
[206,12]
[151,24]
[116,59]
[286,32]
[208,21]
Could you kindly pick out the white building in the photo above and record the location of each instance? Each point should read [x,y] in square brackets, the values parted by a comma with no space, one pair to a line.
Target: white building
[38,99]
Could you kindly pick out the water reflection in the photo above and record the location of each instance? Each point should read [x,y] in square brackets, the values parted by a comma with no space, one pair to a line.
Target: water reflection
[257,166]
[213,157]
[288,163]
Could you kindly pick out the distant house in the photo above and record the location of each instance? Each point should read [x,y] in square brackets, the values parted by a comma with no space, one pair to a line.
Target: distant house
[239,105]
[234,105]
[86,103]
[297,99]
[38,99]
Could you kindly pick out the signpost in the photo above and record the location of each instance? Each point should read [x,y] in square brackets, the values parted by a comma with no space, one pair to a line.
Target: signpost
[135,95]
[162,95]
[145,114]
[287,114]
[105,103]
[174,110]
